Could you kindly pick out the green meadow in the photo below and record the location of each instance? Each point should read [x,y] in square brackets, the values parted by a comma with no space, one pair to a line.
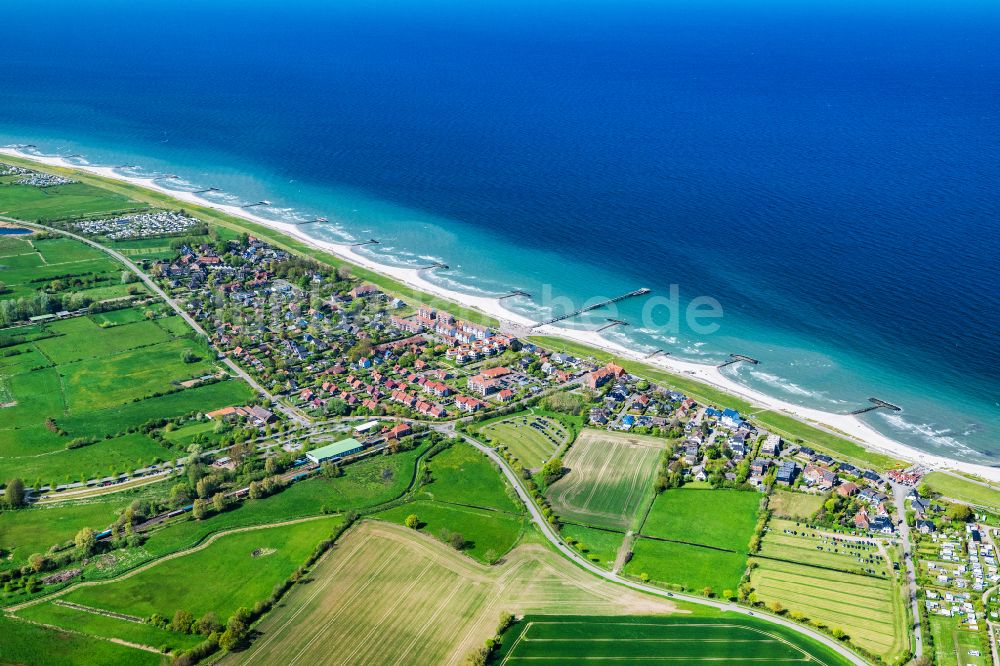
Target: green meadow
[202,581]
[33,645]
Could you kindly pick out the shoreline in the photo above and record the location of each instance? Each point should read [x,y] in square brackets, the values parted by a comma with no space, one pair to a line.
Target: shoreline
[843,425]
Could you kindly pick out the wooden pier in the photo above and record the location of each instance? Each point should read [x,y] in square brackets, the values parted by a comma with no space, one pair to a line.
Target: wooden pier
[610,301]
[516,292]
[210,189]
[263,202]
[737,358]
[612,323]
[655,353]
[313,221]
[876,404]
[433,266]
[370,241]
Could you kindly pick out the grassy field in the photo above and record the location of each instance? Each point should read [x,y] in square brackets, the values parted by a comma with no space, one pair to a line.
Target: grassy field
[33,645]
[792,429]
[203,580]
[790,504]
[785,540]
[37,204]
[599,546]
[463,475]
[553,639]
[609,481]
[869,610]
[98,381]
[34,530]
[963,490]
[953,642]
[691,567]
[92,623]
[387,595]
[531,439]
[488,534]
[718,518]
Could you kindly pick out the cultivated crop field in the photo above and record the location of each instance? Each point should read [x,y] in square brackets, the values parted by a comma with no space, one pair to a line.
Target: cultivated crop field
[869,610]
[540,639]
[609,480]
[387,595]
[531,439]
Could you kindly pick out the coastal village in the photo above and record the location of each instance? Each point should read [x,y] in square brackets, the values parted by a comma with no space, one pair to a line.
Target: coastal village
[347,374]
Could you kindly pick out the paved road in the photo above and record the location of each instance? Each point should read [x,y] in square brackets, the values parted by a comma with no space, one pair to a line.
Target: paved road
[292,414]
[550,534]
[899,492]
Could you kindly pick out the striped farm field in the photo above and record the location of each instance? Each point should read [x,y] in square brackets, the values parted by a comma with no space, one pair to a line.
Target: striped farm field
[389,595]
[869,610]
[548,640]
[609,480]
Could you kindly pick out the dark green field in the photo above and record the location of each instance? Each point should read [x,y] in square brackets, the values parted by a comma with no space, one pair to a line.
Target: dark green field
[658,640]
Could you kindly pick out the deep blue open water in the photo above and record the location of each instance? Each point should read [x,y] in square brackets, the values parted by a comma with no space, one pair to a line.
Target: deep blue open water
[828,171]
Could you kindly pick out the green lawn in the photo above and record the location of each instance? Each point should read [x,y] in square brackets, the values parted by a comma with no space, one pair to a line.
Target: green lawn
[692,567]
[554,639]
[65,250]
[94,624]
[488,534]
[32,645]
[105,457]
[199,399]
[963,490]
[718,518]
[108,381]
[463,475]
[235,570]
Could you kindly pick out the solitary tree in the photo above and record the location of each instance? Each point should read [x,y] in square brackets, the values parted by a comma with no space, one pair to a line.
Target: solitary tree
[412,521]
[86,541]
[14,495]
[199,509]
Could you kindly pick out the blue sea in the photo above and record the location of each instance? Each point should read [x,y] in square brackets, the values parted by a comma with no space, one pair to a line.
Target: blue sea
[827,171]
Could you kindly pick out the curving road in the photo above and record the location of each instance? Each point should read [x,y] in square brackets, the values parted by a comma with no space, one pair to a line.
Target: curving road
[536,516]
[568,552]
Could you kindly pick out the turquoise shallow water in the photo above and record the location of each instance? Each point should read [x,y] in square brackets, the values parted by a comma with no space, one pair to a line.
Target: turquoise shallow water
[828,176]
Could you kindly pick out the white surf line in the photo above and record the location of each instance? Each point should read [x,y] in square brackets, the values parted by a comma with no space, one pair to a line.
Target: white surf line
[844,425]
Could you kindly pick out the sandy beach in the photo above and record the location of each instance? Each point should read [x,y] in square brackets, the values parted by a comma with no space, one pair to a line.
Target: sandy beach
[844,425]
